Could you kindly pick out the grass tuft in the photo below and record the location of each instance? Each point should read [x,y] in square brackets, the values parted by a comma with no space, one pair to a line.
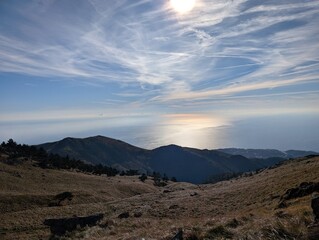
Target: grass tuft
[288,229]
[218,232]
[234,223]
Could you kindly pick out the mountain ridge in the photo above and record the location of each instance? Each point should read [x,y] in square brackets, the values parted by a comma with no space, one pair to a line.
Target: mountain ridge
[266,153]
[184,163]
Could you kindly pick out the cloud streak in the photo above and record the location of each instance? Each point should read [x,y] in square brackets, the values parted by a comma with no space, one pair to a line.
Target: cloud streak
[223,60]
[215,47]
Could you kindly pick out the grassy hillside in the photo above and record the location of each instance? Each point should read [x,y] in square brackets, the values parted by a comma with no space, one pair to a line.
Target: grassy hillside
[244,208]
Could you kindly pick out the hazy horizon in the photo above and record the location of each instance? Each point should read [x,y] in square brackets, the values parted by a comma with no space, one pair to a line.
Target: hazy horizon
[214,75]
[227,136]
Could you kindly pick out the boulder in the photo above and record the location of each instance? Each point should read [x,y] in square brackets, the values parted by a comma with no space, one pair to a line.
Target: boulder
[193,194]
[178,235]
[124,215]
[62,225]
[61,199]
[138,214]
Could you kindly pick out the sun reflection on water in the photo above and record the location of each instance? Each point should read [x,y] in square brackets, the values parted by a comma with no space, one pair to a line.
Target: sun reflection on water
[192,130]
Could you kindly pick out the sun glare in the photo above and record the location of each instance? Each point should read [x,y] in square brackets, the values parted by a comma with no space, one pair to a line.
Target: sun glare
[182,6]
[191,130]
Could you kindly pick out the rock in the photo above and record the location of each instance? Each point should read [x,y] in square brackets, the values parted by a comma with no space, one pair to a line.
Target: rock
[60,226]
[178,236]
[313,232]
[313,229]
[193,194]
[175,206]
[137,214]
[304,189]
[315,207]
[61,199]
[124,215]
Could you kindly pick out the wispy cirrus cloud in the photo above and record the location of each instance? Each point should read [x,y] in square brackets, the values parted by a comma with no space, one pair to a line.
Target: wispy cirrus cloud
[220,48]
[141,71]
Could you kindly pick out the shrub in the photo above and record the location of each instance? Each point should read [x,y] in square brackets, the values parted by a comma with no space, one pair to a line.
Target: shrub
[173,179]
[143,177]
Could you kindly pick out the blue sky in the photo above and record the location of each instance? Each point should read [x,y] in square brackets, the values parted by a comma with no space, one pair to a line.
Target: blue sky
[228,73]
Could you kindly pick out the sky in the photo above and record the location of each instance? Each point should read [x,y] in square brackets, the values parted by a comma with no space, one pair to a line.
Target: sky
[226,73]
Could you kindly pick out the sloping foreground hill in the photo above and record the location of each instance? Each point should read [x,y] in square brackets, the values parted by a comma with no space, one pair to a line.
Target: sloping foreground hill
[26,192]
[186,164]
[243,208]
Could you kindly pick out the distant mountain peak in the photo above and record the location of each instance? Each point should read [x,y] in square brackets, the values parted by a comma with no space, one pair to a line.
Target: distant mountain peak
[184,163]
[170,146]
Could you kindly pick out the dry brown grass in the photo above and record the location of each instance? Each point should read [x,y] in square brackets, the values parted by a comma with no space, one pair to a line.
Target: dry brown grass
[199,209]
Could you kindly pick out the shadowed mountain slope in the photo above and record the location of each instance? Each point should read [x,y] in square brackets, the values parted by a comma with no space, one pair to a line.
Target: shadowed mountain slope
[101,150]
[186,164]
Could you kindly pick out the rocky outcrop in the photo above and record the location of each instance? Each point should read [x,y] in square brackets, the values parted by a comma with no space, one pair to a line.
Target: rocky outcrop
[304,189]
[62,225]
[315,206]
[61,199]
[313,229]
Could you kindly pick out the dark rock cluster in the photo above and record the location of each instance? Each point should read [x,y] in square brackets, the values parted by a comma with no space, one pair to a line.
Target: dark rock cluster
[304,189]
[313,229]
[62,225]
[315,206]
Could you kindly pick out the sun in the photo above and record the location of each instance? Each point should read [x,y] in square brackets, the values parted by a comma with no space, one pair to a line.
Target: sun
[182,6]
